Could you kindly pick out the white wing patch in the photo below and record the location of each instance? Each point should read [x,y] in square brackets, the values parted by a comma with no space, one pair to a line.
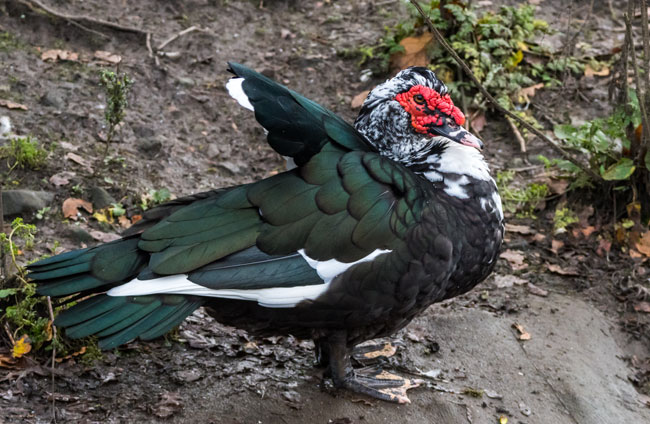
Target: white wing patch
[328,270]
[274,297]
[459,159]
[456,188]
[237,92]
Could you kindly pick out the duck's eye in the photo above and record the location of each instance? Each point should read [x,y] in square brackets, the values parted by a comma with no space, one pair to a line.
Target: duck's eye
[419,99]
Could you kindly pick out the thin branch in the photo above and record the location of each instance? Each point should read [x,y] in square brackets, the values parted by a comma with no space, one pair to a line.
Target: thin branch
[518,136]
[51,311]
[439,37]
[641,96]
[175,36]
[75,19]
[4,259]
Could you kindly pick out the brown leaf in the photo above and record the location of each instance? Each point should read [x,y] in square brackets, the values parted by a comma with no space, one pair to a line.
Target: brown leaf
[643,245]
[536,290]
[170,403]
[514,258]
[61,178]
[135,218]
[590,72]
[539,237]
[72,355]
[357,101]
[556,245]
[415,52]
[523,334]
[478,122]
[108,57]
[7,361]
[12,105]
[124,221]
[642,307]
[58,54]
[505,281]
[103,237]
[524,94]
[562,271]
[588,230]
[604,246]
[71,205]
[79,160]
[519,229]
[557,186]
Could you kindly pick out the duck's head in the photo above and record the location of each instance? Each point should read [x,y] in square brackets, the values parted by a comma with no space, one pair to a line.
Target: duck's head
[412,116]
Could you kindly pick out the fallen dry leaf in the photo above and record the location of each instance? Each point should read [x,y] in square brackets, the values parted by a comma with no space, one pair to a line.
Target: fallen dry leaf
[524,95]
[588,230]
[357,101]
[7,361]
[478,122]
[557,186]
[505,281]
[523,334]
[643,245]
[12,105]
[61,178]
[519,229]
[79,160]
[169,404]
[514,258]
[72,355]
[108,57]
[21,347]
[124,221]
[415,52]
[71,205]
[539,237]
[556,245]
[590,72]
[536,290]
[562,271]
[642,307]
[58,54]
[103,237]
[604,246]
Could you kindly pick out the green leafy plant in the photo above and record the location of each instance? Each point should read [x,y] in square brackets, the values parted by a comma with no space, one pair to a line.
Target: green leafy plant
[563,218]
[116,87]
[154,197]
[493,44]
[520,201]
[604,143]
[24,152]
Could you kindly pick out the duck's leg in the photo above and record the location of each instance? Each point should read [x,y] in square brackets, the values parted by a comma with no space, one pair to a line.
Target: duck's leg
[375,383]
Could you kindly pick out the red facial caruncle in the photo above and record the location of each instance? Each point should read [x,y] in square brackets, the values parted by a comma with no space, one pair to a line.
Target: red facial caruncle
[424,103]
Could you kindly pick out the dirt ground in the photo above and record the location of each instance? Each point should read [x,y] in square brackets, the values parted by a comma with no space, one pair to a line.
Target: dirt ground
[587,345]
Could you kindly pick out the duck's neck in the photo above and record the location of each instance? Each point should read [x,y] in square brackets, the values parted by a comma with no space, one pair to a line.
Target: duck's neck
[461,172]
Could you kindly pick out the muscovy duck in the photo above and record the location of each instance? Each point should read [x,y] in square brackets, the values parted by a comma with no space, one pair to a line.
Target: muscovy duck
[374,223]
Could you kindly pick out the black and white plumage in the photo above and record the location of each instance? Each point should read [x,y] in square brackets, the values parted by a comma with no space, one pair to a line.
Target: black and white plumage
[375,223]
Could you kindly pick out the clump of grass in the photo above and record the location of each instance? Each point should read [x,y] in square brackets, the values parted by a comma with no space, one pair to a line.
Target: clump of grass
[24,152]
[521,201]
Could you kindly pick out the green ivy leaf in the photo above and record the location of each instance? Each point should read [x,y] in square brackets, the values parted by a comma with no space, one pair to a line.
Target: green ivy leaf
[621,170]
[7,292]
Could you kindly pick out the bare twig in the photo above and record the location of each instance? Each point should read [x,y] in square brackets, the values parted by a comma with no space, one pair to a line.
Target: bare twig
[518,136]
[439,37]
[4,262]
[76,19]
[175,36]
[51,311]
[637,80]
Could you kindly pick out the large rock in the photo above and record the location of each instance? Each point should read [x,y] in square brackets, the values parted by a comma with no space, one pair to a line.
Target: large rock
[17,202]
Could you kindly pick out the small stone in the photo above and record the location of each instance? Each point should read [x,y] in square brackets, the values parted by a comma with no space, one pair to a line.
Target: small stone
[78,234]
[23,201]
[143,131]
[5,126]
[52,99]
[149,146]
[100,198]
[186,81]
[230,168]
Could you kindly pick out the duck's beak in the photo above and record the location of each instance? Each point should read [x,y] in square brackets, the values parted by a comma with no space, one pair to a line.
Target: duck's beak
[455,132]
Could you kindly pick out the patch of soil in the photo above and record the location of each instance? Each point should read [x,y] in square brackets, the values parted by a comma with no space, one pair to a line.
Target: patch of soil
[183,132]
